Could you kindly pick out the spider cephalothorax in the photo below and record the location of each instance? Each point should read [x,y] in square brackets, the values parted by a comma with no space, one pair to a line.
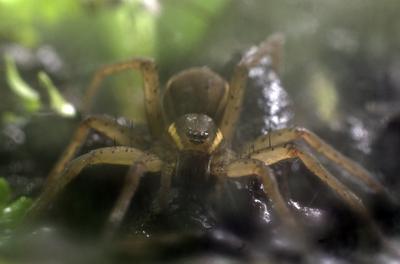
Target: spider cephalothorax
[198,113]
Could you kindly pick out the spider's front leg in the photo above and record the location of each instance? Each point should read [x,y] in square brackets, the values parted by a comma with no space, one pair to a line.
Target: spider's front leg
[132,180]
[249,167]
[288,151]
[282,136]
[271,47]
[275,154]
[108,155]
[151,90]
[123,135]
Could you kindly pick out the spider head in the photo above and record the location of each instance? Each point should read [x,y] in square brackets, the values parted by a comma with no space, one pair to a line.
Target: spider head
[195,132]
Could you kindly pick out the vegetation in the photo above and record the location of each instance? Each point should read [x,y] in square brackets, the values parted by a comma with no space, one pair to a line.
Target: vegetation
[11,211]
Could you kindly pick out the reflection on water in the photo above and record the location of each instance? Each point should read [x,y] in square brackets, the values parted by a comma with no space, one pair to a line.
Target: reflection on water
[307,211]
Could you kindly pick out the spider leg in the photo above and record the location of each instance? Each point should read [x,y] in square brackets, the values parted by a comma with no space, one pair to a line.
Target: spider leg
[288,151]
[282,136]
[270,47]
[132,180]
[151,90]
[108,155]
[105,125]
[166,178]
[248,167]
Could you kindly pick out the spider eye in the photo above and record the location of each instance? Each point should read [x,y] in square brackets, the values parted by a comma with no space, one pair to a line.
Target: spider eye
[196,136]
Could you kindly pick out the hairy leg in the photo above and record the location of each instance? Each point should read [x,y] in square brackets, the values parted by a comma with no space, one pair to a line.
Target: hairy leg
[288,151]
[151,90]
[166,178]
[105,125]
[270,47]
[132,180]
[248,167]
[109,155]
[282,136]
[274,154]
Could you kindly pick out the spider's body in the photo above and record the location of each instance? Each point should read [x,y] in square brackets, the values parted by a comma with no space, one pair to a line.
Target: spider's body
[194,121]
[197,90]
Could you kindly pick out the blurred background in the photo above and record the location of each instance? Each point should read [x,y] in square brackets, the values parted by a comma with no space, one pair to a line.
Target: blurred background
[341,70]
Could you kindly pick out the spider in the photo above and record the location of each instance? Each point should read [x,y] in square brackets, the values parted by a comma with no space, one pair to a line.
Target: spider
[195,120]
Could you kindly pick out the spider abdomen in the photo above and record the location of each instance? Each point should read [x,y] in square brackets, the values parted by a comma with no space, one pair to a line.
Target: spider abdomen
[197,90]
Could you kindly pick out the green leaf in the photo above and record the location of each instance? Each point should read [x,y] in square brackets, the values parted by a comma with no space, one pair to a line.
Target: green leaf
[183,24]
[57,102]
[5,192]
[324,94]
[14,213]
[22,21]
[29,97]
